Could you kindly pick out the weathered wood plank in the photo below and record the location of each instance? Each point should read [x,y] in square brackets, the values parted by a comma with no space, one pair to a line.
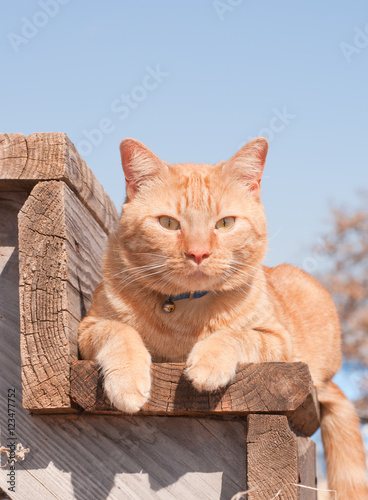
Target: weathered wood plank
[272,458]
[10,204]
[307,467]
[13,156]
[91,456]
[83,457]
[24,161]
[60,248]
[284,388]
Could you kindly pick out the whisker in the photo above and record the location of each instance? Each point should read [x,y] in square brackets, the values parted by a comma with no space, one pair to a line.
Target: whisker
[162,281]
[242,271]
[253,267]
[150,253]
[132,278]
[139,275]
[141,270]
[129,269]
[274,236]
[252,285]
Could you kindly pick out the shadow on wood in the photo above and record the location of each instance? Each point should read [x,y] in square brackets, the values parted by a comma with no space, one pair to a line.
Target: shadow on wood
[246,434]
[85,456]
[276,388]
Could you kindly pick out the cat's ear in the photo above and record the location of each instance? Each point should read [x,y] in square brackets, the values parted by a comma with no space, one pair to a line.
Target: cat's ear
[139,164]
[248,164]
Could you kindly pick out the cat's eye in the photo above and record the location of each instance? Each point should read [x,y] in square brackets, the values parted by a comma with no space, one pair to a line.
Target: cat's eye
[169,223]
[225,224]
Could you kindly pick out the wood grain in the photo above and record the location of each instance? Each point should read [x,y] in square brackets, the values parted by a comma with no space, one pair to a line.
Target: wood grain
[307,467]
[278,459]
[284,388]
[64,216]
[60,248]
[25,161]
[84,457]
[13,157]
[272,458]
[10,204]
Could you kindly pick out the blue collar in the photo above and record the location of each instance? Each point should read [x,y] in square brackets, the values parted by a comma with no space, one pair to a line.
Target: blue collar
[168,306]
[188,295]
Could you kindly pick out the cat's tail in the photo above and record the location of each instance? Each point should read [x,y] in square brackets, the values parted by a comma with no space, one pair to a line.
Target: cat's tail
[343,445]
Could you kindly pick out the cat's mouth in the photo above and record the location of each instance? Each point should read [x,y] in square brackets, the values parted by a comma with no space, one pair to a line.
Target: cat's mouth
[200,279]
[198,273]
[204,274]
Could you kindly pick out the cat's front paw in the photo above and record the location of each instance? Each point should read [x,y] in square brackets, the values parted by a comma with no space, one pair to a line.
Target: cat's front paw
[128,389]
[210,366]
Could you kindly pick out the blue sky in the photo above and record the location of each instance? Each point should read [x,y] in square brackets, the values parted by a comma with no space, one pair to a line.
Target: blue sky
[194,80]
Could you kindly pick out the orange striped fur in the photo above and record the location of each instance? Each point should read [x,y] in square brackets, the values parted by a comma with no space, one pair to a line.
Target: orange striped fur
[251,313]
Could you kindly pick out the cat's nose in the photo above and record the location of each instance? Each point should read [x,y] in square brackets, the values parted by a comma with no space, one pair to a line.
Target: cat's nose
[198,255]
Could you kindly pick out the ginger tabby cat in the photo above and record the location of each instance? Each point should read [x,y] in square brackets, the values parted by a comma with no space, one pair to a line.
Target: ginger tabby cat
[201,228]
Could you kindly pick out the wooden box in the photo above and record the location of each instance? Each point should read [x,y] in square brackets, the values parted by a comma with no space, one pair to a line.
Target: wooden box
[54,222]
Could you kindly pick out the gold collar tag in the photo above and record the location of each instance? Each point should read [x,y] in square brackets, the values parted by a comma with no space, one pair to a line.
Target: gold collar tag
[168,306]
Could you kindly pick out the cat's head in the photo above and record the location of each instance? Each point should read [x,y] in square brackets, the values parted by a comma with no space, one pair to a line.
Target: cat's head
[190,227]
